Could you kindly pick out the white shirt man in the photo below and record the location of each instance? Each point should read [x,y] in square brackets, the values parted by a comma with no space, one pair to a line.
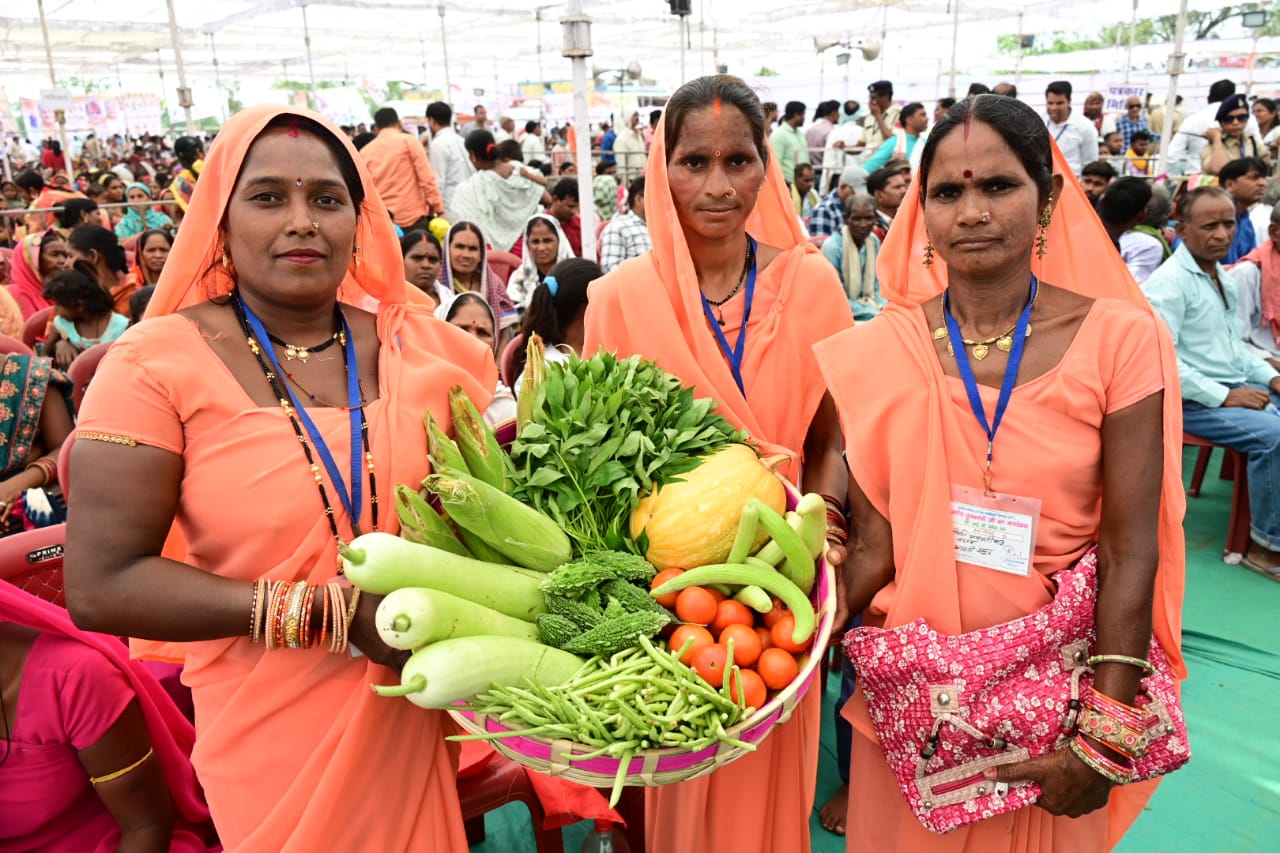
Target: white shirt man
[1184,151]
[1075,134]
[448,154]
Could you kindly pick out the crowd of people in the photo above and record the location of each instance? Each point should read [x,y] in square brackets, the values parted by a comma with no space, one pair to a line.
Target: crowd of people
[888,245]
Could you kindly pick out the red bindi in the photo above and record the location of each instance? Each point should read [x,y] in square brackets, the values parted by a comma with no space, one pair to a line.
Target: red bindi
[716,107]
[968,173]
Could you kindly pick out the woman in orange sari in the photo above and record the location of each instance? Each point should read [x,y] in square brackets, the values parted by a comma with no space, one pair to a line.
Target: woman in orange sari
[1091,427]
[731,299]
[267,455]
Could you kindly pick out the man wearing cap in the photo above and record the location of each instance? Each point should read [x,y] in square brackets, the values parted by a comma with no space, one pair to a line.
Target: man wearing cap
[1191,136]
[788,143]
[882,115]
[827,218]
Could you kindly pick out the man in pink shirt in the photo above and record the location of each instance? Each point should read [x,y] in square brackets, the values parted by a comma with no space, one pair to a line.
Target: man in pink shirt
[402,173]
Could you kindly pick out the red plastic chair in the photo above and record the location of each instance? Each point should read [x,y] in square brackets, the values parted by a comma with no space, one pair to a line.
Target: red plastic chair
[502,781]
[13,345]
[503,263]
[36,326]
[82,369]
[507,362]
[1233,467]
[32,561]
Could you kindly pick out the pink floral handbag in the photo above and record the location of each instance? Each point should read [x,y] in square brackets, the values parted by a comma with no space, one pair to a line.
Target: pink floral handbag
[947,708]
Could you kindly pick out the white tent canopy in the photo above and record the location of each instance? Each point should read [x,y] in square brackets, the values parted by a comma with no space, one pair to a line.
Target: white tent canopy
[501,42]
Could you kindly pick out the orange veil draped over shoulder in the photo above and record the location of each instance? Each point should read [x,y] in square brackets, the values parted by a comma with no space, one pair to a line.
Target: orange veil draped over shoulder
[910,479]
[651,306]
[294,751]
[628,314]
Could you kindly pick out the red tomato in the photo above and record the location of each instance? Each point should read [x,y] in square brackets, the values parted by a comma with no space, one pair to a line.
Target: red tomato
[777,668]
[746,643]
[754,691]
[669,600]
[779,610]
[700,636]
[782,632]
[696,605]
[710,663]
[730,612]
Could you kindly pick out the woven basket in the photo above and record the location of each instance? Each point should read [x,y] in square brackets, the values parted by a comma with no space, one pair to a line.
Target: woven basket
[665,766]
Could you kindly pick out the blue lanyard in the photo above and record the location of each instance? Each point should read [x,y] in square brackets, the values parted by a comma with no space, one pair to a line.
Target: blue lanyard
[353,500]
[1010,370]
[734,355]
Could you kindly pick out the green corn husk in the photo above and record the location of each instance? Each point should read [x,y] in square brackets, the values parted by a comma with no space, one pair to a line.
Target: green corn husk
[420,523]
[479,446]
[535,372]
[443,451]
[482,550]
[527,537]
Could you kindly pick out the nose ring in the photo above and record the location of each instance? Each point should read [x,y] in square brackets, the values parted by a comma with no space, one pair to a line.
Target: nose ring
[316,225]
[731,193]
[986,217]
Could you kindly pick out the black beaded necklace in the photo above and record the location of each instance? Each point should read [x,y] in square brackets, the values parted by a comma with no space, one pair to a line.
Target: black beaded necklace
[285,398]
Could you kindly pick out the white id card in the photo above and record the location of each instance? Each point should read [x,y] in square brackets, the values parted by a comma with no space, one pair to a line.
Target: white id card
[994,531]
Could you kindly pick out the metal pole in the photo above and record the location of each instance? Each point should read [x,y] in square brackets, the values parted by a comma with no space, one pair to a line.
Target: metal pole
[1253,60]
[1017,67]
[577,48]
[60,115]
[164,100]
[1171,99]
[217,79]
[542,80]
[955,35]
[884,34]
[184,94]
[444,48]
[124,114]
[312,100]
[1133,35]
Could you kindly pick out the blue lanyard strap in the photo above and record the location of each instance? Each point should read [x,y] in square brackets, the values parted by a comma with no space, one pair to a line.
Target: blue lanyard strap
[1010,371]
[734,355]
[353,499]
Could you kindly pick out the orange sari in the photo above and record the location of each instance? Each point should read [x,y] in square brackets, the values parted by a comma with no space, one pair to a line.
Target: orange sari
[293,749]
[910,435]
[650,306]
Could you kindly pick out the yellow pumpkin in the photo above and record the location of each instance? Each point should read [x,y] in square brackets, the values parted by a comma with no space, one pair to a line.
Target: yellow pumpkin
[694,522]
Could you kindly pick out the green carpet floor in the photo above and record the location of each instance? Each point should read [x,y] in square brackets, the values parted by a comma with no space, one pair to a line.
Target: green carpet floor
[1228,797]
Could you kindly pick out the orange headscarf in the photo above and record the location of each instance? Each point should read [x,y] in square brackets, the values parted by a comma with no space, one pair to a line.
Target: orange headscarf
[821,310]
[194,271]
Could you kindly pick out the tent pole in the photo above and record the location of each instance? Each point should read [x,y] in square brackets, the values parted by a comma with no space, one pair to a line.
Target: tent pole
[217,79]
[312,100]
[955,35]
[444,48]
[184,94]
[1017,68]
[60,115]
[1133,35]
[1171,99]
[577,47]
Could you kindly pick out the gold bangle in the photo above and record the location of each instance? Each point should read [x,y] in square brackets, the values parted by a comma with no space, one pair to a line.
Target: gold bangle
[1141,664]
[109,438]
[98,780]
[293,616]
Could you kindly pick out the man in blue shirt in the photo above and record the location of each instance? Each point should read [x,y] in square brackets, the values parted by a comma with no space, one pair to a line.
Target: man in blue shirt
[1132,121]
[1246,180]
[606,143]
[1229,395]
[915,121]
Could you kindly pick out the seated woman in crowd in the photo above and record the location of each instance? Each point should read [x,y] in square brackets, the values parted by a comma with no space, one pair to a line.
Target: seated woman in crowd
[1085,447]
[853,252]
[83,315]
[544,246]
[37,257]
[77,212]
[472,314]
[149,254]
[467,270]
[557,313]
[106,257]
[143,214]
[35,420]
[94,756]
[502,194]
[422,261]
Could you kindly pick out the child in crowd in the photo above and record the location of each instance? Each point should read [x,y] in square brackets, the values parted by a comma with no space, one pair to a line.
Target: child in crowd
[1136,161]
[83,314]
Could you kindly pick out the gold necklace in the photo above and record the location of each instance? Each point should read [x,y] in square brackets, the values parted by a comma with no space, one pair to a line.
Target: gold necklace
[1003,342]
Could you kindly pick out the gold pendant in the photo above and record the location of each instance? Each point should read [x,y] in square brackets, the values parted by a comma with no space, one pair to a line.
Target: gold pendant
[1004,344]
[980,351]
[293,353]
[939,333]
[950,350]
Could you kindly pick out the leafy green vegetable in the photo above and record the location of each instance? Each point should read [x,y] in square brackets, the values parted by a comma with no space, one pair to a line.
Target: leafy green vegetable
[604,430]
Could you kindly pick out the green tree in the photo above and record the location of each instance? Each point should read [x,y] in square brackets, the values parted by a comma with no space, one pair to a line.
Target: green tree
[1158,30]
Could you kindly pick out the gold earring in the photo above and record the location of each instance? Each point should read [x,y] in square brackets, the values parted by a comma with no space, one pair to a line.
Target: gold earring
[228,266]
[928,252]
[1042,241]
[355,254]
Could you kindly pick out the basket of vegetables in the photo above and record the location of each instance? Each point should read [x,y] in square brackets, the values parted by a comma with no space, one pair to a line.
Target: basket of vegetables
[631,596]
